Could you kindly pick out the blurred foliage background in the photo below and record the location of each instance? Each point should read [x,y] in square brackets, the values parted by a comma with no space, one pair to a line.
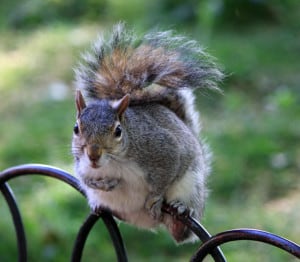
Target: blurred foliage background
[253,128]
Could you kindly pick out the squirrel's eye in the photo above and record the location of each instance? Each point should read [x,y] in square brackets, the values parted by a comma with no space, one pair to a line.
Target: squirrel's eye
[118,131]
[76,129]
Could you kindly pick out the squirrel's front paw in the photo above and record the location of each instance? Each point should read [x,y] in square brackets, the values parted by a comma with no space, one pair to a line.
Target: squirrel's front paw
[105,184]
[153,204]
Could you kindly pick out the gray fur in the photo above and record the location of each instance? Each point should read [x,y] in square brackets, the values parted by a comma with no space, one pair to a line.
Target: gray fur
[158,156]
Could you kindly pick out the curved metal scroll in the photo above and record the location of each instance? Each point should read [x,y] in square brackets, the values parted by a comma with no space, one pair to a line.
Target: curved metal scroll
[246,234]
[59,174]
[210,244]
[198,230]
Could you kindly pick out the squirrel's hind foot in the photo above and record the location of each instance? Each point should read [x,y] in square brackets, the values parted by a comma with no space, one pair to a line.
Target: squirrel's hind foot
[178,230]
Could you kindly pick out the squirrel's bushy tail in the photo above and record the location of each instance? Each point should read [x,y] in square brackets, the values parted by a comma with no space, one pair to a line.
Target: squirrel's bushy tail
[157,67]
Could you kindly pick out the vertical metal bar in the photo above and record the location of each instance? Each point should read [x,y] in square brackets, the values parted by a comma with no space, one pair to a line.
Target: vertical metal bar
[82,237]
[115,236]
[17,220]
[112,229]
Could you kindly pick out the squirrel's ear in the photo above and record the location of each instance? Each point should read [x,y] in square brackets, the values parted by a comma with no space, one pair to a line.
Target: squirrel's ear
[121,105]
[80,104]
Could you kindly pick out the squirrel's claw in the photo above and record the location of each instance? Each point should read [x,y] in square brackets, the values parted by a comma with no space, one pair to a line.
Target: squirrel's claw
[178,208]
[153,204]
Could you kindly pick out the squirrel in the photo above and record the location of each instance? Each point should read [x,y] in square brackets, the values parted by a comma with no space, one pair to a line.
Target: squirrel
[136,139]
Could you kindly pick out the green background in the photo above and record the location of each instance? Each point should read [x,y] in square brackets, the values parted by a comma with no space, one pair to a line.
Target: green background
[253,128]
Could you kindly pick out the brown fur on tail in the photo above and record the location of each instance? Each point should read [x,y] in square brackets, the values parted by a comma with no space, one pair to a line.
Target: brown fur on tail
[151,68]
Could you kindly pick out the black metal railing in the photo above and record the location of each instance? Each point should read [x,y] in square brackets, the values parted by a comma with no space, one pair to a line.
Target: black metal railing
[210,244]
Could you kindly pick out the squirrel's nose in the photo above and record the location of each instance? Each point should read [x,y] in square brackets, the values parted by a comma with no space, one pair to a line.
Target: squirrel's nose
[94,153]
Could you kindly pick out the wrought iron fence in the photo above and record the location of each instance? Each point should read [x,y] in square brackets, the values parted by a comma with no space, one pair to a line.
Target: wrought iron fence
[210,245]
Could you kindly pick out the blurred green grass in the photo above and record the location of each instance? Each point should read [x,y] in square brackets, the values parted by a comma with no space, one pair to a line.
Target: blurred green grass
[253,130]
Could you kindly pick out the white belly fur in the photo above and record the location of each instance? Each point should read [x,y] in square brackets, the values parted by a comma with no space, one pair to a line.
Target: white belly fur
[127,198]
